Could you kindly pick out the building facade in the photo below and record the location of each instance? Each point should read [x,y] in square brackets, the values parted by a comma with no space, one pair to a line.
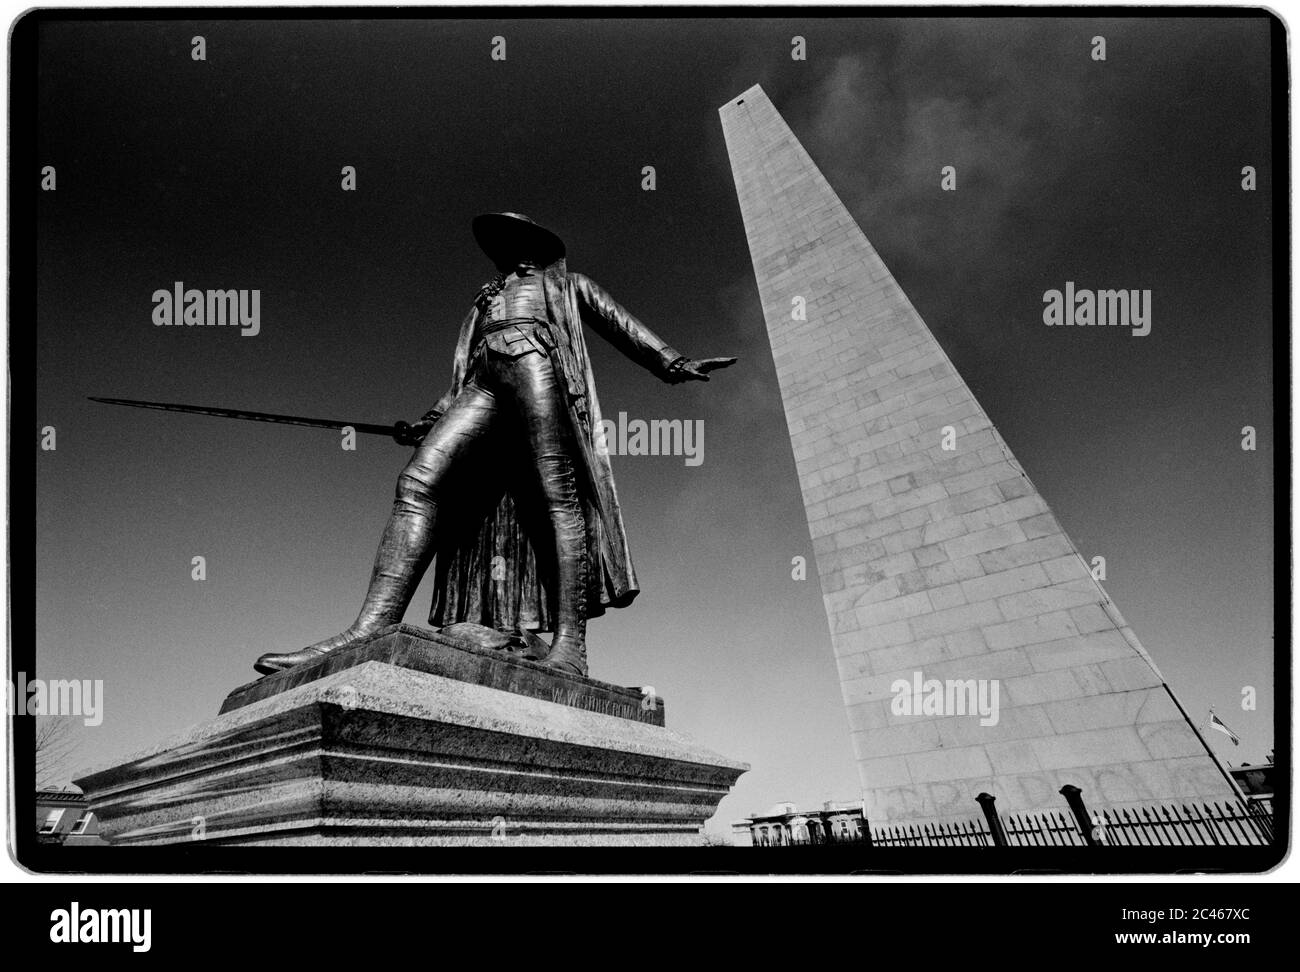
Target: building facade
[785,824]
[64,817]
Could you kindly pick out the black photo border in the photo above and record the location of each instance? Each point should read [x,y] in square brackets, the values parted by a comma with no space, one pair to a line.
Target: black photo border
[825,860]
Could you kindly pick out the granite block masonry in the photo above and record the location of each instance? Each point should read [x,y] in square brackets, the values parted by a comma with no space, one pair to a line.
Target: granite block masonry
[413,739]
[941,561]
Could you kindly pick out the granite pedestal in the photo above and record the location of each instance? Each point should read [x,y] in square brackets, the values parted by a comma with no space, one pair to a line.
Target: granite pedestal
[414,739]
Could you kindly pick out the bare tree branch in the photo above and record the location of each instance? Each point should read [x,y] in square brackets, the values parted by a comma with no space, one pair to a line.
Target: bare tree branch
[55,743]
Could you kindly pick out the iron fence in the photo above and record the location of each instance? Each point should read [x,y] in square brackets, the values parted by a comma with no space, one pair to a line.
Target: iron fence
[1229,823]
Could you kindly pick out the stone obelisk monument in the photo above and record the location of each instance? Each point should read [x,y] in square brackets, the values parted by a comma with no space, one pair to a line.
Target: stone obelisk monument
[939,561]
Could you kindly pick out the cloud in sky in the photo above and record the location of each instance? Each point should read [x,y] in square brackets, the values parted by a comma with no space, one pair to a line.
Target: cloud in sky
[1027,117]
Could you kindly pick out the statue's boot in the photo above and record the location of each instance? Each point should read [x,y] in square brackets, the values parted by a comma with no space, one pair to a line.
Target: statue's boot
[569,646]
[532,647]
[568,654]
[404,552]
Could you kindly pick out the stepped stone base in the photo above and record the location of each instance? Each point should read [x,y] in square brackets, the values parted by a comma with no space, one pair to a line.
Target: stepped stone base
[392,750]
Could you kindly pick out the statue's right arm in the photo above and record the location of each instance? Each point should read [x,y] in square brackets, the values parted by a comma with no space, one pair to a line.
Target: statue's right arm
[421,426]
[437,412]
[413,434]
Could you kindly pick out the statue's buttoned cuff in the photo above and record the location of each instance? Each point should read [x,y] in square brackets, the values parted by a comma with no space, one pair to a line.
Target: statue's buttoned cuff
[672,361]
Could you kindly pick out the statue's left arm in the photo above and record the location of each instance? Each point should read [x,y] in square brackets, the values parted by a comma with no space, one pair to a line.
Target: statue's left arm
[605,315]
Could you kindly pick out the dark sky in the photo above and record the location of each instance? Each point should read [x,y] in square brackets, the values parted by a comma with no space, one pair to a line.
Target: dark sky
[225,174]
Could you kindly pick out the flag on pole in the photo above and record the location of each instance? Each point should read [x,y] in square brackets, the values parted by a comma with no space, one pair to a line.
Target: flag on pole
[1217,723]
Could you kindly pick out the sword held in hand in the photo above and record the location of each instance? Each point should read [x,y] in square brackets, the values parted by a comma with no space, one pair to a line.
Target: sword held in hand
[403,433]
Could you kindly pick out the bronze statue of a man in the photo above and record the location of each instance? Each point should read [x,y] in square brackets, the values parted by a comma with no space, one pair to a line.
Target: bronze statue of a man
[510,489]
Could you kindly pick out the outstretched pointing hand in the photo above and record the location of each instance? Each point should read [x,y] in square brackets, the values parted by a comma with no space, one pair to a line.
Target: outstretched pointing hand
[698,369]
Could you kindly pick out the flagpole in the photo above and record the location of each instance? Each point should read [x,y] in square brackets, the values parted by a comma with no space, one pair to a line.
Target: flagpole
[1232,781]
[1225,758]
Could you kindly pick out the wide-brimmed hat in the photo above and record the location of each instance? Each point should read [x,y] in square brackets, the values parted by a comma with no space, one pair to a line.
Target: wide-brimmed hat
[512,235]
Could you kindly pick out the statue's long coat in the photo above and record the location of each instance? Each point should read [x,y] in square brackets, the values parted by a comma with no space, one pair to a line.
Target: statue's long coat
[485,522]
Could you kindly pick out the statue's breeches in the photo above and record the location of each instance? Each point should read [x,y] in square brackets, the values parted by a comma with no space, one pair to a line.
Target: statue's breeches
[512,405]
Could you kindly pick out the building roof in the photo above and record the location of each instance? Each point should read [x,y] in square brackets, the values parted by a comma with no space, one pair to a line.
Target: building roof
[779,811]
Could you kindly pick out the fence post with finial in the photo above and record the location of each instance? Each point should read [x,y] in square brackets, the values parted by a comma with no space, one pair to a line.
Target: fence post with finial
[1074,797]
[996,830]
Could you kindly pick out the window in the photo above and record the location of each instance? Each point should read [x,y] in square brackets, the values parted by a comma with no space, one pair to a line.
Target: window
[52,821]
[82,823]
